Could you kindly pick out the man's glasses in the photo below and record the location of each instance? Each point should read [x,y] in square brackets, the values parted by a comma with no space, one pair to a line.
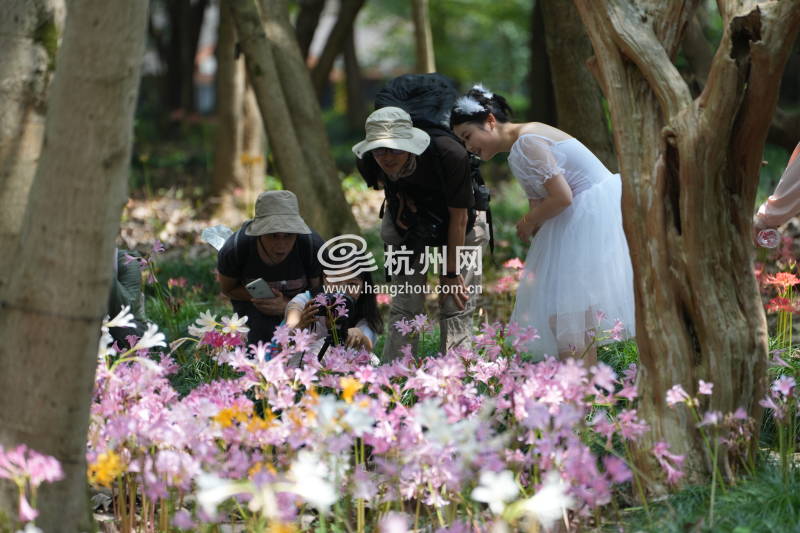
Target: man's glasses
[385,151]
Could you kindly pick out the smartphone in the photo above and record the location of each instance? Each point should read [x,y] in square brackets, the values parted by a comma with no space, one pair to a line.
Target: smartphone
[259,288]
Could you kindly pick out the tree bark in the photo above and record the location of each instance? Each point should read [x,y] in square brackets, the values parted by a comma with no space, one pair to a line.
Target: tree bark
[306,117]
[356,105]
[690,172]
[29,33]
[321,73]
[540,81]
[238,153]
[58,292]
[307,22]
[297,170]
[185,23]
[423,37]
[579,101]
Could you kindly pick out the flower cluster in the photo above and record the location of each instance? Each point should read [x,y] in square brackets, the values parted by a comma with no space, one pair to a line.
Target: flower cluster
[292,431]
[28,469]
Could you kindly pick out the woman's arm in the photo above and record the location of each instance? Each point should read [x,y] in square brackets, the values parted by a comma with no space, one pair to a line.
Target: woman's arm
[559,197]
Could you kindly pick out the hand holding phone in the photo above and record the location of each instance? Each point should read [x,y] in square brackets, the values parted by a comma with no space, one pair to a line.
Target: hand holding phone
[259,288]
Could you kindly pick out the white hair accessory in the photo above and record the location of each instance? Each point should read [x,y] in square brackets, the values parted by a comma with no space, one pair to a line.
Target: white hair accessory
[483,90]
[467,105]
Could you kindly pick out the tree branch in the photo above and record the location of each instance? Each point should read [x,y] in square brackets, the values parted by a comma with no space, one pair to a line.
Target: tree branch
[640,44]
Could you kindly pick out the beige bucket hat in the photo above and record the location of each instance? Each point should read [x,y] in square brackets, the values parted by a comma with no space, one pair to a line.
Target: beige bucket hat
[277,212]
[391,127]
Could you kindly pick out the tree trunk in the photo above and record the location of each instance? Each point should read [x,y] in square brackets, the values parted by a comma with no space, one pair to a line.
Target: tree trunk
[185,23]
[307,22]
[238,154]
[59,287]
[321,73]
[356,108]
[29,33]
[579,101]
[540,81]
[423,37]
[307,119]
[296,170]
[690,172]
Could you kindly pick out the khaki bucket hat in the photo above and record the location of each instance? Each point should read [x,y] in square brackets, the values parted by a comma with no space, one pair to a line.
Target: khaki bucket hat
[391,127]
[277,212]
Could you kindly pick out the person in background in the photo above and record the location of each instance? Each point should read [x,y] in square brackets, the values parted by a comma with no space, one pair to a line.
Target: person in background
[278,247]
[784,203]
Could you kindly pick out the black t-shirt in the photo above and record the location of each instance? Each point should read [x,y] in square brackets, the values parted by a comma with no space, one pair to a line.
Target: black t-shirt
[442,178]
[291,276]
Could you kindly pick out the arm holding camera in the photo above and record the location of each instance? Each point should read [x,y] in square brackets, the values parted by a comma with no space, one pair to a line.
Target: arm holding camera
[233,289]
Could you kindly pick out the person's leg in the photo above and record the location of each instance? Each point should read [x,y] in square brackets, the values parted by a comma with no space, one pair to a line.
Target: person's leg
[405,305]
[456,325]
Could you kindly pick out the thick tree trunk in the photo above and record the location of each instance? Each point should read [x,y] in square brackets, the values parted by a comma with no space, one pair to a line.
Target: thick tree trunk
[59,287]
[423,37]
[579,101]
[307,118]
[307,22]
[540,81]
[321,73]
[356,104]
[690,171]
[238,153]
[29,33]
[297,166]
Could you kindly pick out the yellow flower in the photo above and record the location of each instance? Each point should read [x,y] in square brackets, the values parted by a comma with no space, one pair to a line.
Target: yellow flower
[227,416]
[105,470]
[282,527]
[350,386]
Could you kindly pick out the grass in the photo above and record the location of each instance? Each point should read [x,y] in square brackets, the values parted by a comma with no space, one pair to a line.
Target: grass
[762,503]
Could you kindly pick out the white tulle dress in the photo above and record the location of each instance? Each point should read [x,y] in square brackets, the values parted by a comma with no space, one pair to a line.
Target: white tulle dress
[578,275]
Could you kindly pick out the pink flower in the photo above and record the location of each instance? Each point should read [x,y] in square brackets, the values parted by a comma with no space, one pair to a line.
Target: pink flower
[158,247]
[784,385]
[616,469]
[710,418]
[26,512]
[670,462]
[383,299]
[404,326]
[617,330]
[514,263]
[705,387]
[176,282]
[676,395]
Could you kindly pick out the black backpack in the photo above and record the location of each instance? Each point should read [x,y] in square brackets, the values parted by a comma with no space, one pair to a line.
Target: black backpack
[428,98]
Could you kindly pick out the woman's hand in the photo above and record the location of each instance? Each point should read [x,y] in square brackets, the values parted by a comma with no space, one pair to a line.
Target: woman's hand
[526,229]
[357,339]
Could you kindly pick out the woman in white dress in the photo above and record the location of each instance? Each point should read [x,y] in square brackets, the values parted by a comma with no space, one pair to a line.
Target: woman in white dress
[578,281]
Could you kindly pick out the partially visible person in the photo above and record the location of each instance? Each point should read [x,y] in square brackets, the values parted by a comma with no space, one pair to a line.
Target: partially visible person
[578,278]
[429,197]
[356,294]
[278,247]
[784,203]
[126,290]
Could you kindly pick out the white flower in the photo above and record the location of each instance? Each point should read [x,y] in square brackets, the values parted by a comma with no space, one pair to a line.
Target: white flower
[394,522]
[495,489]
[549,504]
[124,319]
[151,338]
[207,322]
[309,472]
[467,105]
[358,420]
[104,348]
[194,331]
[30,528]
[234,324]
[212,490]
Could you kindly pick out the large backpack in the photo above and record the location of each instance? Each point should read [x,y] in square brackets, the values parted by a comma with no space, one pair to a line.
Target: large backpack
[428,98]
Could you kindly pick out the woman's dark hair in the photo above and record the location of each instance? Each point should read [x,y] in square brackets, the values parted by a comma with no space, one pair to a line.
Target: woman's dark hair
[476,105]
